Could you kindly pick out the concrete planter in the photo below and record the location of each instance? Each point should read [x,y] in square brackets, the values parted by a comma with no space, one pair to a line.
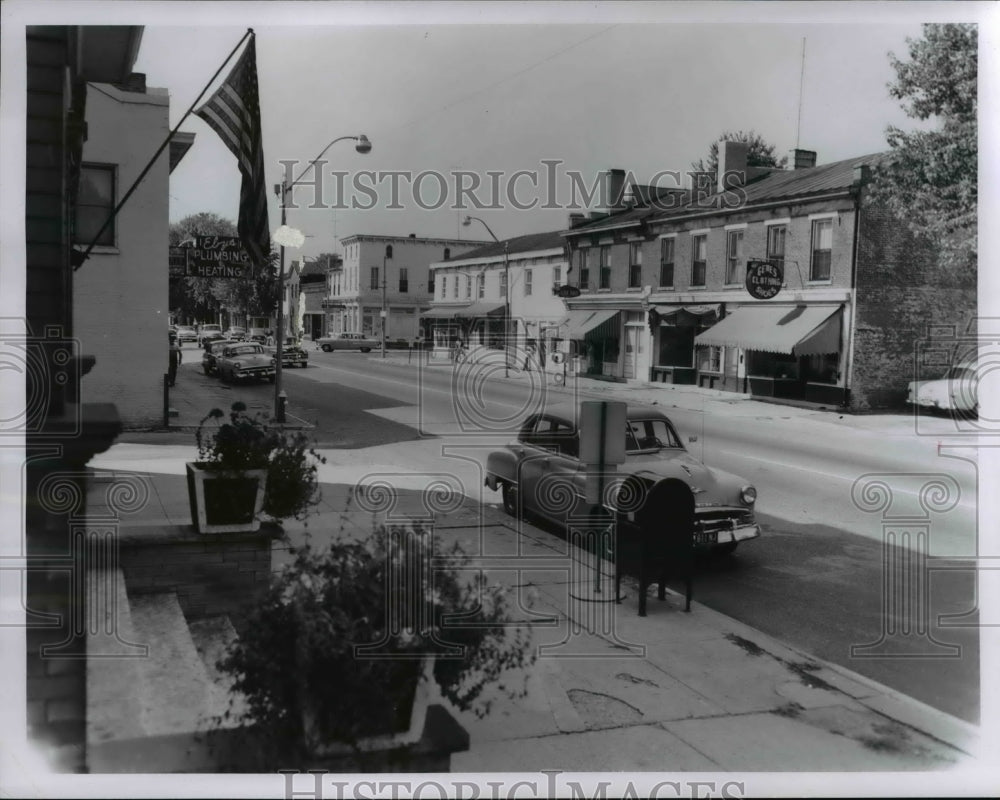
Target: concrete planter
[225,502]
[424,693]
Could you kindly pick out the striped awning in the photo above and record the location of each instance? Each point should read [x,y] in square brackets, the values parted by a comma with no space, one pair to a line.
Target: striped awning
[800,330]
[583,321]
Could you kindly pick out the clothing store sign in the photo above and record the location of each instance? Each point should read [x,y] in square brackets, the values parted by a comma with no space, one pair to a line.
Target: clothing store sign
[764,279]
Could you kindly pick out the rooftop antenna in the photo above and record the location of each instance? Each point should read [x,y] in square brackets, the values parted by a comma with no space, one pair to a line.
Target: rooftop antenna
[802,72]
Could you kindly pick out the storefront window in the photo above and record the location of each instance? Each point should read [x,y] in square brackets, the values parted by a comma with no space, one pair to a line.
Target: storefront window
[710,359]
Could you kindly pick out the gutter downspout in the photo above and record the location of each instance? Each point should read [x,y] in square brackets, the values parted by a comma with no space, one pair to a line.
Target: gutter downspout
[849,362]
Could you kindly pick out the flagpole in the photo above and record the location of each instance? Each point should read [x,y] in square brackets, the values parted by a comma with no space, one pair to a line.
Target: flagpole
[76,256]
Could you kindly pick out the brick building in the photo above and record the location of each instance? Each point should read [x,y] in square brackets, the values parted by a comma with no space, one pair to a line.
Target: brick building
[857,295]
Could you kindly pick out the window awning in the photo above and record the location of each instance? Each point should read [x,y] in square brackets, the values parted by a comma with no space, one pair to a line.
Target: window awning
[481,309]
[675,314]
[580,322]
[797,330]
[443,312]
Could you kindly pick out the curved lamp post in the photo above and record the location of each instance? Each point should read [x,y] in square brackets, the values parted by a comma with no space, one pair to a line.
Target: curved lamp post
[282,189]
[506,300]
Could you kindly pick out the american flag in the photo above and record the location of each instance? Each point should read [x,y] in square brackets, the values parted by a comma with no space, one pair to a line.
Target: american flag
[233,112]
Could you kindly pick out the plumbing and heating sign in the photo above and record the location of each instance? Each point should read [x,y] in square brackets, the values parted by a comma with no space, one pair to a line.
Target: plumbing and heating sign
[212,257]
[764,279]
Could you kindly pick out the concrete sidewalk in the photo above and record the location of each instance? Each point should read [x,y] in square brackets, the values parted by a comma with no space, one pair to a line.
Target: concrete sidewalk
[613,692]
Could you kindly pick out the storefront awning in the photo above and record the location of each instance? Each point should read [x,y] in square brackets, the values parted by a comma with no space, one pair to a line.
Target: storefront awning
[444,312]
[793,330]
[674,314]
[582,321]
[483,309]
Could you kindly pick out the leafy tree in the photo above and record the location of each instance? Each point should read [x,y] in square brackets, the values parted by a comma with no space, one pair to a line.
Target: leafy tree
[929,179]
[759,153]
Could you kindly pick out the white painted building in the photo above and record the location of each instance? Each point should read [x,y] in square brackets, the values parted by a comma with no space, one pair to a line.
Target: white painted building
[471,295]
[389,272]
[120,294]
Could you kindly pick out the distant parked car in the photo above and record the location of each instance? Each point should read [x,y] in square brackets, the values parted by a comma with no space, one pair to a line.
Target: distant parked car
[257,335]
[957,390]
[541,474]
[292,353]
[347,341]
[245,361]
[185,333]
[236,334]
[212,351]
[208,333]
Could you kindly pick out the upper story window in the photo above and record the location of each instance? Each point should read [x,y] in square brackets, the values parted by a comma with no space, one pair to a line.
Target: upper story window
[388,251]
[667,263]
[467,280]
[557,276]
[503,285]
[374,281]
[776,244]
[734,256]
[635,265]
[454,287]
[447,253]
[583,267]
[481,287]
[699,259]
[404,280]
[430,282]
[95,202]
[527,282]
[822,249]
[605,267]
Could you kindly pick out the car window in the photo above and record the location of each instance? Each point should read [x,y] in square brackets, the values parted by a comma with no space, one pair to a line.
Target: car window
[650,434]
[553,434]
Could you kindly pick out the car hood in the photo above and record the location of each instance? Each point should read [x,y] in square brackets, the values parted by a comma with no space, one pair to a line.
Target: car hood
[712,486]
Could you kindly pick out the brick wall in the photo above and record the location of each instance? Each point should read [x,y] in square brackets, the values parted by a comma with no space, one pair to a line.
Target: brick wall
[211,574]
[903,287]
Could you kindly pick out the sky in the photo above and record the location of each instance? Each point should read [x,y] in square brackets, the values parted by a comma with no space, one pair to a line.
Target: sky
[644,91]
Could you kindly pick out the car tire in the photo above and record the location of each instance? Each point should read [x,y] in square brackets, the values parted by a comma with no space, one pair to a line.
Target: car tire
[271,379]
[366,349]
[326,348]
[207,370]
[303,364]
[510,499]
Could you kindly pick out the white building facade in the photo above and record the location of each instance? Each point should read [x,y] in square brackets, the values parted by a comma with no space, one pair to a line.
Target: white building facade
[389,273]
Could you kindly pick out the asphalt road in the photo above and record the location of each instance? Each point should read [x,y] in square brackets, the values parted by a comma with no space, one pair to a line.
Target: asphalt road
[815,578]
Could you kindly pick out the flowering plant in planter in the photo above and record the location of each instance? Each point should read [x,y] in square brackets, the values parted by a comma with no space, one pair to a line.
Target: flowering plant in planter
[348,636]
[246,444]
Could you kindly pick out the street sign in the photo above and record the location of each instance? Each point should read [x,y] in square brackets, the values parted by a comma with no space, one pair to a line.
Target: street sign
[567,291]
[218,257]
[764,279]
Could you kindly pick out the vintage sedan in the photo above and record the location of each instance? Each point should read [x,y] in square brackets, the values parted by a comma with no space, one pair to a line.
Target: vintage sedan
[212,351]
[540,474]
[185,333]
[957,391]
[347,341]
[209,332]
[292,353]
[236,334]
[245,361]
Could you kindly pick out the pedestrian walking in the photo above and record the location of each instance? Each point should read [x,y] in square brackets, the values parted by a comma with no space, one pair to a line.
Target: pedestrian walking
[175,359]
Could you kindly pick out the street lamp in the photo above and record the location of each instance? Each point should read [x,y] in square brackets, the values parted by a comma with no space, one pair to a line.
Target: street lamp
[282,189]
[385,279]
[506,300]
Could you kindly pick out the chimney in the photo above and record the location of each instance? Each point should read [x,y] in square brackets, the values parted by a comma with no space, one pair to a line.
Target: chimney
[613,190]
[576,218]
[732,159]
[861,175]
[803,159]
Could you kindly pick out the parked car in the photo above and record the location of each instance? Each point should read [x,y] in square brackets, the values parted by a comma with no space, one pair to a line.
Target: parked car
[957,390]
[257,335]
[211,355]
[347,341]
[185,333]
[208,333]
[236,334]
[292,353]
[540,474]
[245,361]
